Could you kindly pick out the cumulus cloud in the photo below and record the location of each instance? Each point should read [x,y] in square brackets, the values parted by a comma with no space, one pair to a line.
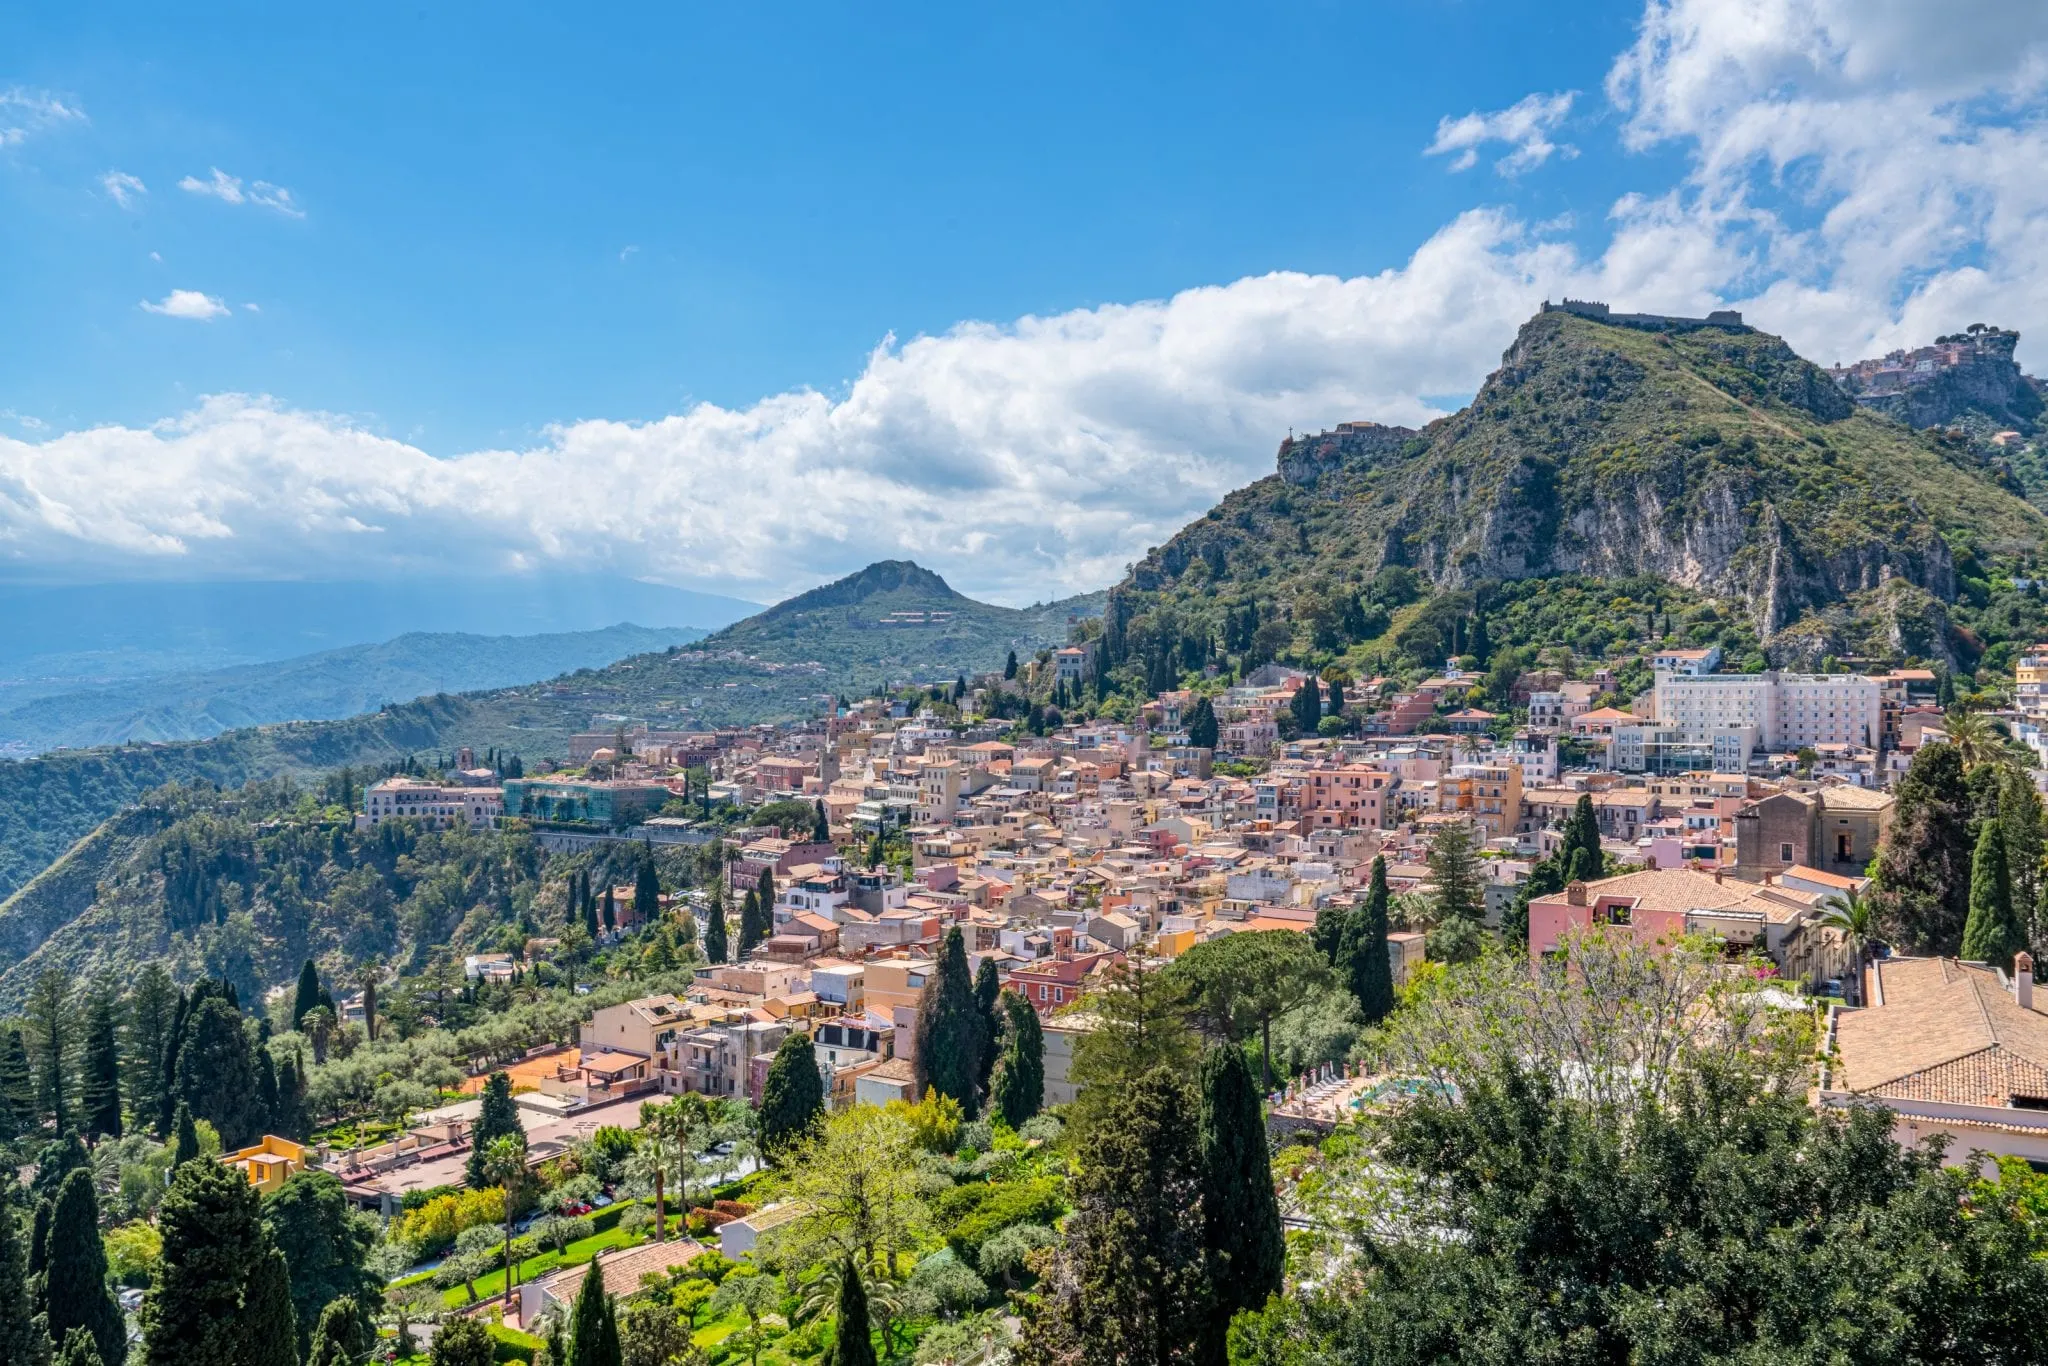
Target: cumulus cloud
[122,188]
[1524,126]
[187,303]
[25,113]
[230,189]
[1856,175]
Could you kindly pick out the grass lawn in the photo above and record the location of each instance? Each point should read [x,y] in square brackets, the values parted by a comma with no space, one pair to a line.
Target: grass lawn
[577,1253]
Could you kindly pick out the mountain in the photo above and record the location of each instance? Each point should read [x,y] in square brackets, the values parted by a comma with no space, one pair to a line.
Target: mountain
[781,663]
[62,637]
[1698,468]
[317,687]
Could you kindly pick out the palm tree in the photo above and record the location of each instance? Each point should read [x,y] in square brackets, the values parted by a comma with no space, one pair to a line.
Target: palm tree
[1973,735]
[505,1167]
[885,1297]
[1855,919]
[664,1144]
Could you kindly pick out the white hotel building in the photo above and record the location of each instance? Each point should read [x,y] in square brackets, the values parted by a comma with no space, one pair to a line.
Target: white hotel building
[1787,710]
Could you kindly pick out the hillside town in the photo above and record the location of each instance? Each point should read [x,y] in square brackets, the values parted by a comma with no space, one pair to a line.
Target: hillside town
[1741,807]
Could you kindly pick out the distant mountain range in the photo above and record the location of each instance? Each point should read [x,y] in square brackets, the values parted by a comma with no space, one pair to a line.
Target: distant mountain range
[61,638]
[315,687]
[892,621]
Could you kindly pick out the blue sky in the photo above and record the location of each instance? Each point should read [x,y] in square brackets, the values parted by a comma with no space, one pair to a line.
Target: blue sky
[528,218]
[740,300]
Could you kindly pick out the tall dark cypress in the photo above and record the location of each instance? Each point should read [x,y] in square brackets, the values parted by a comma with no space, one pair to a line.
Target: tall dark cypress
[174,1043]
[308,995]
[186,1137]
[100,1072]
[593,1330]
[1018,1088]
[1247,1251]
[21,1341]
[1366,967]
[852,1346]
[497,1118]
[76,1294]
[950,1029]
[714,932]
[750,923]
[793,1096]
[987,1000]
[270,1324]
[647,891]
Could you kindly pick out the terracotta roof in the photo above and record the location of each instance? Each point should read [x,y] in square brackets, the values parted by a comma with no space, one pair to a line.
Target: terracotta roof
[623,1270]
[1947,1031]
[1849,797]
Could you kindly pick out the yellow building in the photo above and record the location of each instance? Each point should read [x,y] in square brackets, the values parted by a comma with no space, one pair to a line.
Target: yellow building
[270,1163]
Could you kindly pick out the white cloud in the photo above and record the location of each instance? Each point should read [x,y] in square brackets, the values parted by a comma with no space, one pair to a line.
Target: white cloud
[230,189]
[1525,126]
[25,113]
[188,303]
[122,188]
[1856,176]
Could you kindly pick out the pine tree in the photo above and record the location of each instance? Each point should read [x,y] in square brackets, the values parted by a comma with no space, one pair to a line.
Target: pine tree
[217,1072]
[949,1029]
[792,1097]
[1923,868]
[1366,967]
[1018,1089]
[100,1072]
[497,1118]
[1460,893]
[1247,1249]
[21,1341]
[987,1000]
[1131,1285]
[1992,933]
[211,1238]
[52,1031]
[270,1325]
[308,995]
[152,1005]
[75,1294]
[852,1345]
[714,931]
[2019,818]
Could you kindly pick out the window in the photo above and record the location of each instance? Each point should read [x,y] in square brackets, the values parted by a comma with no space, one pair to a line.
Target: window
[1784,853]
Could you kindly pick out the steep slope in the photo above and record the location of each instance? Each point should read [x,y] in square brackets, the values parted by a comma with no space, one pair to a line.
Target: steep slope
[1712,461]
[317,687]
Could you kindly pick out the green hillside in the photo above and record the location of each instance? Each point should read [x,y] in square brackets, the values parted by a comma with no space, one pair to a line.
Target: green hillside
[315,687]
[779,664]
[1689,485]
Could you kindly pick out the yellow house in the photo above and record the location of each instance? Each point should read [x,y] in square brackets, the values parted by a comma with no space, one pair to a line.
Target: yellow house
[1173,943]
[270,1163]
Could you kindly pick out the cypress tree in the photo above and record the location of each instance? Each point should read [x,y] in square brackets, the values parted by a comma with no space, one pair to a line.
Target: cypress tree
[611,910]
[79,1350]
[987,1000]
[75,1293]
[39,1242]
[852,1345]
[1010,665]
[370,1003]
[764,891]
[1581,831]
[792,1097]
[100,1079]
[1247,1251]
[1132,1285]
[590,926]
[1923,868]
[268,1319]
[1366,966]
[750,924]
[949,1030]
[217,1072]
[497,1118]
[21,1341]
[647,891]
[1992,934]
[267,1098]
[1202,728]
[465,1342]
[593,1331]
[821,824]
[308,995]
[187,1137]
[714,931]
[212,1237]
[343,1335]
[1018,1090]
